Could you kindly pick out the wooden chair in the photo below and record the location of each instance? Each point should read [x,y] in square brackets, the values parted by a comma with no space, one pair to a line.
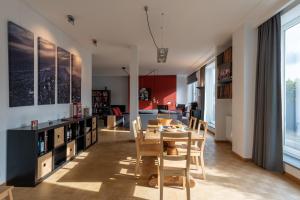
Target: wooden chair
[192,127]
[143,149]
[6,191]
[192,123]
[197,149]
[174,165]
[139,123]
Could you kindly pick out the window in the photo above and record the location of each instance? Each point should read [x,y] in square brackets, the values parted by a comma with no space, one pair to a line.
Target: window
[291,87]
[192,92]
[209,111]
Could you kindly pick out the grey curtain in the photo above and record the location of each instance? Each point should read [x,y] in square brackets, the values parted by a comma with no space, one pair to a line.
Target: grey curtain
[267,145]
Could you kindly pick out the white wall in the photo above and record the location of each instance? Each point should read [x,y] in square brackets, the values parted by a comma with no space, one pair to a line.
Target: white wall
[244,42]
[181,89]
[244,75]
[223,106]
[118,85]
[24,16]
[223,109]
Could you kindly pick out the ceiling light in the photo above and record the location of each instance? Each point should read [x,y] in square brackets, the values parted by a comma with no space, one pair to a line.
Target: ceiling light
[71,19]
[162,54]
[125,70]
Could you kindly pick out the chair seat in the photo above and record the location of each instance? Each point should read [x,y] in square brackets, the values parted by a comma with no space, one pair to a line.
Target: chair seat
[150,149]
[195,150]
[174,168]
[181,164]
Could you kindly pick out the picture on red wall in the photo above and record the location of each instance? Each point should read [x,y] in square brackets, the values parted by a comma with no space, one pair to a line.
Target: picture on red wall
[145,94]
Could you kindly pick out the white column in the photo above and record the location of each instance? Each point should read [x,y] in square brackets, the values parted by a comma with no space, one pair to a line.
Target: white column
[244,47]
[134,83]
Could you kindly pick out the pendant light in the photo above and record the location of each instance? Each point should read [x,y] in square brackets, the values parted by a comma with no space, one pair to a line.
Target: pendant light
[162,52]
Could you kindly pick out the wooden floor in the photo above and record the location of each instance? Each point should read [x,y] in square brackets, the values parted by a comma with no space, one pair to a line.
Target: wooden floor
[106,171]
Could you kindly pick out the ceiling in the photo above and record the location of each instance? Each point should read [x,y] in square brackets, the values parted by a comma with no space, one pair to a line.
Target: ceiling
[193,29]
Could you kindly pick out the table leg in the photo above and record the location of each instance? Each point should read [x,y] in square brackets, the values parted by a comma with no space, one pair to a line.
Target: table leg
[171,148]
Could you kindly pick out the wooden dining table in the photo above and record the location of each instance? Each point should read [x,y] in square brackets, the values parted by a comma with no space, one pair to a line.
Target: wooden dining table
[152,136]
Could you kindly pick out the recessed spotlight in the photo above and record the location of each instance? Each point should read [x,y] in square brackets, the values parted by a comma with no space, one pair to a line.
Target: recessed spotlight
[95,42]
[71,19]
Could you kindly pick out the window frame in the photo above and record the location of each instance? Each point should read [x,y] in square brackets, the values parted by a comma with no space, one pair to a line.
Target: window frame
[284,27]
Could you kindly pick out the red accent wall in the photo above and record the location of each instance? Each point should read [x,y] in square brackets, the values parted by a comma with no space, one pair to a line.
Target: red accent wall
[163,88]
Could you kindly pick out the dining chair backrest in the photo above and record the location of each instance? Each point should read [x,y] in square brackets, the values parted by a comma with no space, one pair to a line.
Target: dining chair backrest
[202,130]
[202,125]
[175,136]
[139,123]
[193,123]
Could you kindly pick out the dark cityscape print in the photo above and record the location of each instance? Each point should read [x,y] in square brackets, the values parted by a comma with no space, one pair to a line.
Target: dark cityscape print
[63,76]
[46,75]
[21,66]
[76,79]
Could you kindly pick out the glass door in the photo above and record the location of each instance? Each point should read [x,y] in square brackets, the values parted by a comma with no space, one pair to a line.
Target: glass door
[291,87]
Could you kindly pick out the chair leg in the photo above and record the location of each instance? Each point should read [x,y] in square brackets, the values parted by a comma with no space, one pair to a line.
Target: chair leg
[137,164]
[194,159]
[188,191]
[10,196]
[202,166]
[197,162]
[183,183]
[161,185]
[158,176]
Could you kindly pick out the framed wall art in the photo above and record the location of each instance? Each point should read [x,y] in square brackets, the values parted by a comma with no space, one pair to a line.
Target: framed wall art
[46,72]
[21,66]
[63,76]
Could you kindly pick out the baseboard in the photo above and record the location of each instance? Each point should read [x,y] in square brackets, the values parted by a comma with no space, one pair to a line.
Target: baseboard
[292,178]
[241,158]
[211,132]
[223,141]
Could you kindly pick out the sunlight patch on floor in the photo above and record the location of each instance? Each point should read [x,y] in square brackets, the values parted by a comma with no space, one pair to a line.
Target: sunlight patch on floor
[114,130]
[128,161]
[145,192]
[87,186]
[82,155]
[70,165]
[123,171]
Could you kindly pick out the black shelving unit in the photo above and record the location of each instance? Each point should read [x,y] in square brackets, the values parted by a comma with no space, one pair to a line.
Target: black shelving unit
[101,100]
[59,156]
[35,153]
